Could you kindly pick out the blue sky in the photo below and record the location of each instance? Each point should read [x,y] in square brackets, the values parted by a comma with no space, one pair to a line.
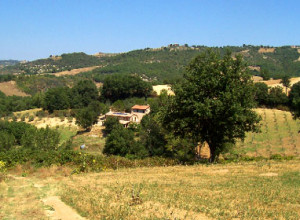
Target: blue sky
[31,29]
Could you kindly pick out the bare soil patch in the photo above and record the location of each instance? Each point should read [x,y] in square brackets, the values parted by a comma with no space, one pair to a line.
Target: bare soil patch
[76,71]
[60,209]
[10,88]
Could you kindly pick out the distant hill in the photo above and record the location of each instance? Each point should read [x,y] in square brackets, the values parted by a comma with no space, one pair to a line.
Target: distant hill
[54,64]
[164,64]
[8,62]
[168,63]
[4,63]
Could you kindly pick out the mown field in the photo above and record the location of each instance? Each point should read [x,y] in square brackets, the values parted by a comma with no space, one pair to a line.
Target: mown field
[249,190]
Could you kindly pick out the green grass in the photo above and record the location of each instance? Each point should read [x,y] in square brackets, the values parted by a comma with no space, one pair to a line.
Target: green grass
[94,145]
[66,133]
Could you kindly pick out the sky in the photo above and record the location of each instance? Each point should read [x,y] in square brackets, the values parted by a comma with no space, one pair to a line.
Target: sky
[32,29]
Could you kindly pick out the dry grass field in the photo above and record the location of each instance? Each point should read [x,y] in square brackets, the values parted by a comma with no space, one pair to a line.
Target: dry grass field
[256,190]
[10,88]
[76,71]
[266,50]
[159,88]
[265,189]
[276,82]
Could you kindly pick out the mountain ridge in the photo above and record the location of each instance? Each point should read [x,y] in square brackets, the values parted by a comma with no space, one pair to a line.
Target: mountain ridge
[164,63]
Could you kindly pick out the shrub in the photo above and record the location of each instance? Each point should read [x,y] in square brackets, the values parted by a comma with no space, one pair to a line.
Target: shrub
[121,142]
[42,139]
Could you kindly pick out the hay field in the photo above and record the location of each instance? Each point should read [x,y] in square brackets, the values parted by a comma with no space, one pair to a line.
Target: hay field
[266,50]
[276,82]
[256,190]
[10,88]
[159,88]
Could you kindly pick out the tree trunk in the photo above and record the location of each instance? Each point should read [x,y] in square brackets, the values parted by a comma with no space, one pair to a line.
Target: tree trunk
[213,155]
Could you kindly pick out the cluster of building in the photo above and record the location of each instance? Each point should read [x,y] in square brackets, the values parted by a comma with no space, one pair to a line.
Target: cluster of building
[135,116]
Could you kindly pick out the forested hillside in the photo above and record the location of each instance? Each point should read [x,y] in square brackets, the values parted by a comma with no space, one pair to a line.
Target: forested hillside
[165,64]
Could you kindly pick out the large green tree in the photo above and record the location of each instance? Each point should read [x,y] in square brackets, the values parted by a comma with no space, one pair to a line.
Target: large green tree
[277,97]
[83,93]
[261,93]
[56,99]
[124,86]
[213,103]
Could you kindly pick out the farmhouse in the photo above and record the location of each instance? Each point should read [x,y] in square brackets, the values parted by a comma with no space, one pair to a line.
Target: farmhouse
[136,115]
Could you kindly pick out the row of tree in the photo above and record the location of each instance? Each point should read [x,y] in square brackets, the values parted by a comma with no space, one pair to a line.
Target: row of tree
[84,92]
[9,104]
[27,136]
[274,97]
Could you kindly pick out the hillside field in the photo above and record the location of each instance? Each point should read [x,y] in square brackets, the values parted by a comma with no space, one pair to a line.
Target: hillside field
[279,134]
[10,88]
[264,189]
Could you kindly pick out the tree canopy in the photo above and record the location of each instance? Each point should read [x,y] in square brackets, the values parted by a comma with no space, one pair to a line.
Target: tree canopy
[213,103]
[124,86]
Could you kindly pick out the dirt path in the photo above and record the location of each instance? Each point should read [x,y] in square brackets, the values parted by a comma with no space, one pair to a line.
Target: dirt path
[60,210]
[33,198]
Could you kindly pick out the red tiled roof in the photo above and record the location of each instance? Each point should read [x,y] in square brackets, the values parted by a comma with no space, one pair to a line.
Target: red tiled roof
[140,107]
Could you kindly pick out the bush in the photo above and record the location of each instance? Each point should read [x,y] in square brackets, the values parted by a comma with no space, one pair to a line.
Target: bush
[41,139]
[121,142]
